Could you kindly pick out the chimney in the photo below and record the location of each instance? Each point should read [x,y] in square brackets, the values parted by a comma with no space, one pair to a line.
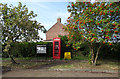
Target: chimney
[59,19]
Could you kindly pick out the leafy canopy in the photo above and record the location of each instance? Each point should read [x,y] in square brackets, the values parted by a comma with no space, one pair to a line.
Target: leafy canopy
[18,24]
[93,22]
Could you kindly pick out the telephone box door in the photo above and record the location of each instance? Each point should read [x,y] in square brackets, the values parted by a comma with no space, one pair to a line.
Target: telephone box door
[56,48]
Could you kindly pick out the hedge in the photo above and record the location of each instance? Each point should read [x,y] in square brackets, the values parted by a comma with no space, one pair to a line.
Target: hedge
[26,49]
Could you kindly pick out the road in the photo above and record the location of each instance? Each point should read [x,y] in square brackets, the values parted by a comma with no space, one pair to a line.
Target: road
[54,73]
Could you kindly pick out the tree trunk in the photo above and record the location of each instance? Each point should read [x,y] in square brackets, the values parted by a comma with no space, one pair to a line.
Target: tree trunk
[12,60]
[98,50]
[92,53]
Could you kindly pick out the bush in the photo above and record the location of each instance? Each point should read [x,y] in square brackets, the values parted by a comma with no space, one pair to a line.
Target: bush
[107,52]
[25,49]
[63,46]
[110,52]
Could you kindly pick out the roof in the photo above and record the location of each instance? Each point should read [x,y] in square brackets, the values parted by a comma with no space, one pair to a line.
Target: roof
[58,21]
[54,25]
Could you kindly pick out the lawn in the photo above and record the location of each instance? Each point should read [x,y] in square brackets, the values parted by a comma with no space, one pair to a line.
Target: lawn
[102,65]
[24,63]
[31,62]
[28,58]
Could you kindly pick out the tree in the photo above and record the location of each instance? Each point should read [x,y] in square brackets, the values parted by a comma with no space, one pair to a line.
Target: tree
[0,40]
[93,23]
[18,25]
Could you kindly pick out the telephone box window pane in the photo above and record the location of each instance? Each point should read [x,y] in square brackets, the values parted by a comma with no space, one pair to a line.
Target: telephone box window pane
[56,45]
[56,48]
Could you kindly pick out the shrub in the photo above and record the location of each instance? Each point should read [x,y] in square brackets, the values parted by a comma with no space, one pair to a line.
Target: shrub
[26,49]
[110,52]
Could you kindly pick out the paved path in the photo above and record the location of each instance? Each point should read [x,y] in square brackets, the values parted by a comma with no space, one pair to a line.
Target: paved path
[54,73]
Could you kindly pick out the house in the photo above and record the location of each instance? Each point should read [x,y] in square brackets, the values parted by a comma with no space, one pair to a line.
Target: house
[56,30]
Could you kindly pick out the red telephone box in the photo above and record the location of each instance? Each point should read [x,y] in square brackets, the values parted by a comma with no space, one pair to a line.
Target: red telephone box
[56,48]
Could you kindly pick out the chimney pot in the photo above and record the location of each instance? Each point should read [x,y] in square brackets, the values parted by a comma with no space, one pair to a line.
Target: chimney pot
[59,20]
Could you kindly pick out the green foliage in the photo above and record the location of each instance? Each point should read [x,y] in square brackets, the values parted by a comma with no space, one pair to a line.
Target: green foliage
[89,58]
[78,55]
[26,49]
[110,52]
[93,23]
[18,23]
[83,51]
[64,47]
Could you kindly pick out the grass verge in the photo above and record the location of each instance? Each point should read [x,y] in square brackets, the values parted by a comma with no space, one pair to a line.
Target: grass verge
[28,58]
[22,65]
[103,65]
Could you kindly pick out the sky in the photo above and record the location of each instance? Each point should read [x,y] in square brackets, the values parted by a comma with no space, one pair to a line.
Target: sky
[47,12]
